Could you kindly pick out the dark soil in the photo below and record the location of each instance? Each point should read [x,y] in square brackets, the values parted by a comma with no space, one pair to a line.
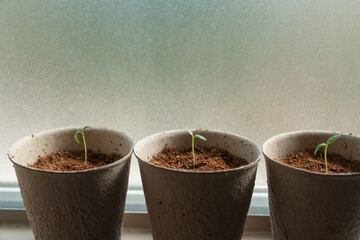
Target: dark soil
[73,161]
[308,161]
[206,159]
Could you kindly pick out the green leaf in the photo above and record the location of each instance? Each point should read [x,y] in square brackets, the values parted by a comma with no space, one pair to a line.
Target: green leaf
[333,138]
[321,145]
[189,131]
[76,136]
[199,136]
[87,127]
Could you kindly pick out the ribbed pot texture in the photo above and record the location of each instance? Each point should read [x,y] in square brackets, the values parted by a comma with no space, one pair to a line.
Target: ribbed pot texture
[73,205]
[197,205]
[308,205]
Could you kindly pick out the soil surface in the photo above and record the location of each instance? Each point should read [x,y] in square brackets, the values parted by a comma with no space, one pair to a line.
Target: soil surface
[73,161]
[308,161]
[206,159]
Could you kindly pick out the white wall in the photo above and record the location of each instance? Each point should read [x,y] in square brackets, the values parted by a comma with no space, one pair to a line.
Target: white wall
[254,68]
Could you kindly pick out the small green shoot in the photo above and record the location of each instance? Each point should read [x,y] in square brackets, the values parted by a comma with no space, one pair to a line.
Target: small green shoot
[193,141]
[326,145]
[83,136]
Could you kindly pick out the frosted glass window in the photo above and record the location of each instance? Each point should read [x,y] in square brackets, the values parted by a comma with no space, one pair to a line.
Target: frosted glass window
[254,68]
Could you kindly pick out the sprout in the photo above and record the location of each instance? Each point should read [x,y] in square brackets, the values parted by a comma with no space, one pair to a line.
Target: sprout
[83,136]
[193,141]
[321,145]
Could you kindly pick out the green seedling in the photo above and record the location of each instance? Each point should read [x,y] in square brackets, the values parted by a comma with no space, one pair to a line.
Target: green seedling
[83,136]
[193,142]
[326,145]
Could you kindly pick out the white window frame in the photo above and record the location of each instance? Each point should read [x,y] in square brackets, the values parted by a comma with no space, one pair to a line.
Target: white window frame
[10,199]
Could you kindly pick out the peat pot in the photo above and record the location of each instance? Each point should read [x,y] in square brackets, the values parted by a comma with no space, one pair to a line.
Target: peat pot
[197,205]
[73,205]
[309,205]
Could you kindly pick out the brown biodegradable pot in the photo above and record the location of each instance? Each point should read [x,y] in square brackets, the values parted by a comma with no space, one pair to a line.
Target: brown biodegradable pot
[197,205]
[309,205]
[73,205]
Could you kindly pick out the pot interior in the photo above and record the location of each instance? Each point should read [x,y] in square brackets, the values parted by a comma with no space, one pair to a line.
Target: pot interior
[284,144]
[26,150]
[236,145]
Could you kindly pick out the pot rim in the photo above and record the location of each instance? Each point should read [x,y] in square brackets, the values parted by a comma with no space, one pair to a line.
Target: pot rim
[201,130]
[50,131]
[302,132]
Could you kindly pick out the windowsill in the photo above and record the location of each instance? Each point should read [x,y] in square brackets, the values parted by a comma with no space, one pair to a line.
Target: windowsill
[136,226]
[24,233]
[14,224]
[10,199]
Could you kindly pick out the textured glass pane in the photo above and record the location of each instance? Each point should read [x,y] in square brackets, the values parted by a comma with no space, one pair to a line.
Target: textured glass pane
[254,68]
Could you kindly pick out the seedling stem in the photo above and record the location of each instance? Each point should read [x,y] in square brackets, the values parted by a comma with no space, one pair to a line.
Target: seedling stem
[326,145]
[83,137]
[193,143]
